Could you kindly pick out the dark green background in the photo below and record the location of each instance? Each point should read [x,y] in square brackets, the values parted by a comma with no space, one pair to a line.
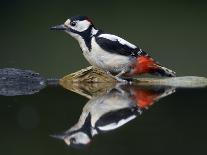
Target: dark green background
[173,32]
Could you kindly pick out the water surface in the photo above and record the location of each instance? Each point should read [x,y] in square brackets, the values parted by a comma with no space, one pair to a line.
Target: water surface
[175,124]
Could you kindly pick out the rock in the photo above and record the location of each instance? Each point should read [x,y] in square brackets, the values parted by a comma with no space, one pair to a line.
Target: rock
[15,82]
[94,75]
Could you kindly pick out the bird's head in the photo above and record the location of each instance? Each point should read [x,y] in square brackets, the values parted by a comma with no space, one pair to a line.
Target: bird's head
[77,139]
[76,26]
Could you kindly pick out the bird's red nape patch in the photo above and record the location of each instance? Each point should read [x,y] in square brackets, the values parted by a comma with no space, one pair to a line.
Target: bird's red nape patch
[90,20]
[144,64]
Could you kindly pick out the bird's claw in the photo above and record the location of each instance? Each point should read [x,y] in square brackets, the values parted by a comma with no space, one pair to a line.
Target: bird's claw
[121,80]
[118,78]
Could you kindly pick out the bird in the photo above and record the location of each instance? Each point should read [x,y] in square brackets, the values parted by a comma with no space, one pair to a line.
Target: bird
[111,110]
[109,52]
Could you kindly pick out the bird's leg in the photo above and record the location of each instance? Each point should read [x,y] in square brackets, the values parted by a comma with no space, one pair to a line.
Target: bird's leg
[109,73]
[118,76]
[121,73]
[120,89]
[121,80]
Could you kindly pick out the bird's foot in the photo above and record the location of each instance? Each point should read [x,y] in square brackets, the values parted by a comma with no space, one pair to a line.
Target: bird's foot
[118,79]
[107,72]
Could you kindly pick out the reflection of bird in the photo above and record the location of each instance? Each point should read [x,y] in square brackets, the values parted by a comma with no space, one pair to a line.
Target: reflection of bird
[110,52]
[111,111]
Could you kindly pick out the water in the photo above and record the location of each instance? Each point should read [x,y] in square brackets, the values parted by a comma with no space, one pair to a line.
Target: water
[176,124]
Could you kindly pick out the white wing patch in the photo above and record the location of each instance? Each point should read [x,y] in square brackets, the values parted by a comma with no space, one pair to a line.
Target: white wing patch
[82,25]
[119,39]
[113,126]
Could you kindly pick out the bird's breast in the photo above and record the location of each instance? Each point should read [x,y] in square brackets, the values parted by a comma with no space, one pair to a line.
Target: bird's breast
[104,59]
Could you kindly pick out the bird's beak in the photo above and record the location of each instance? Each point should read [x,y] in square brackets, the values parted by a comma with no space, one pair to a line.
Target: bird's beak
[60,136]
[59,27]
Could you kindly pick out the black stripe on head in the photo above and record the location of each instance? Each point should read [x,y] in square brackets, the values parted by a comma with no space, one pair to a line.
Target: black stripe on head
[86,35]
[86,128]
[81,18]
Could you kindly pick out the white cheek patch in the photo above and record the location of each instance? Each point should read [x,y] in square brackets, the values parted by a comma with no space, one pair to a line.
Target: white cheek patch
[80,137]
[119,39]
[81,26]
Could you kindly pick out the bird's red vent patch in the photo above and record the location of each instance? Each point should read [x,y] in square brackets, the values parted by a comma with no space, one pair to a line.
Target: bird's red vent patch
[145,64]
[145,98]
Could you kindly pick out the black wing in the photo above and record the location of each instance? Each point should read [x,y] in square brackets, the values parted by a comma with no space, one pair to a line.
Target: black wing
[117,45]
[114,117]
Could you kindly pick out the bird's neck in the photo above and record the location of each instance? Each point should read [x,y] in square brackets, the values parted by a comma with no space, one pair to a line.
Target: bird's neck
[85,37]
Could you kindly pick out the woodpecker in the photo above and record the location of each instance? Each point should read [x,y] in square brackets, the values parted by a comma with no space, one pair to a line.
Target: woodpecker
[109,52]
[111,110]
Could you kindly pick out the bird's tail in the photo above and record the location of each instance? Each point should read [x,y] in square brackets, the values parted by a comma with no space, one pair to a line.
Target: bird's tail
[145,64]
[163,71]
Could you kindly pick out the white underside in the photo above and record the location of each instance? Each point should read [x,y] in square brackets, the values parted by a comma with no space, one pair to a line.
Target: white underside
[101,105]
[105,60]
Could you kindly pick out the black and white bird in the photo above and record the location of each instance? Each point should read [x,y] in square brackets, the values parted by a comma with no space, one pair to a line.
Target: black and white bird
[110,111]
[110,52]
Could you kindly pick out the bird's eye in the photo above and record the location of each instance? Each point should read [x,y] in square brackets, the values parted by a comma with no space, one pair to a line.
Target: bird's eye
[72,23]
